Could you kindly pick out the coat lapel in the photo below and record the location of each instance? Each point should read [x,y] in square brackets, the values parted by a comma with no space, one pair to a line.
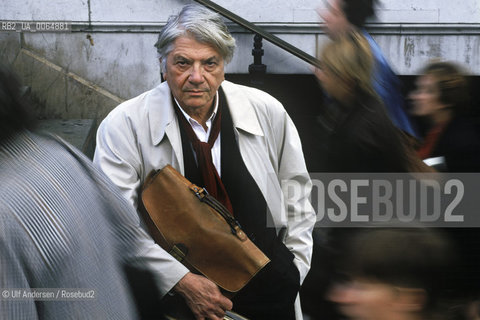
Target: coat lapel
[241,110]
[163,122]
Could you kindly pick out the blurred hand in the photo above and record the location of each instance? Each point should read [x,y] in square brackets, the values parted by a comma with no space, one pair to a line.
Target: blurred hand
[203,297]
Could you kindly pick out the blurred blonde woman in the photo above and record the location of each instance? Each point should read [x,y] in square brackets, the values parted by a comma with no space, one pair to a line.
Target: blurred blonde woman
[361,136]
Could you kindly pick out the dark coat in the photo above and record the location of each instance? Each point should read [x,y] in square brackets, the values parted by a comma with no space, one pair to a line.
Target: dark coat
[363,139]
[459,143]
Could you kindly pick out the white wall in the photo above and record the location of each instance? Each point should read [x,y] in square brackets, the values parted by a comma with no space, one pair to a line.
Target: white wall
[120,57]
[406,11]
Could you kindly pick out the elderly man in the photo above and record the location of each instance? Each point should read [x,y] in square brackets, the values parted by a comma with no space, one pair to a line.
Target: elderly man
[236,141]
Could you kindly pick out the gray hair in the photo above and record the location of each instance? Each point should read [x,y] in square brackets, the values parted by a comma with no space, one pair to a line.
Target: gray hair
[200,23]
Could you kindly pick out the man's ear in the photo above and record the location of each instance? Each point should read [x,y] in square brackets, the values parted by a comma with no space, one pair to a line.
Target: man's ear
[410,299]
[163,71]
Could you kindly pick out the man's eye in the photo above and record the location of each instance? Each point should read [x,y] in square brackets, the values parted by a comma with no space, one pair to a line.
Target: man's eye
[181,63]
[210,65]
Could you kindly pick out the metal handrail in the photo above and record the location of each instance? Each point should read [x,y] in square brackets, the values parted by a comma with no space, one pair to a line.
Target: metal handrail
[265,34]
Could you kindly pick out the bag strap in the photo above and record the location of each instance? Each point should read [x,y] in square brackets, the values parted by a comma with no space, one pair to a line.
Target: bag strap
[203,195]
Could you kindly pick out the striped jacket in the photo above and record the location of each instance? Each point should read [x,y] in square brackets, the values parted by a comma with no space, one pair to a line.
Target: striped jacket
[64,227]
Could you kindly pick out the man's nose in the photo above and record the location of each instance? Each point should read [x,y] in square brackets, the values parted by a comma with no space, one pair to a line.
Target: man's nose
[196,74]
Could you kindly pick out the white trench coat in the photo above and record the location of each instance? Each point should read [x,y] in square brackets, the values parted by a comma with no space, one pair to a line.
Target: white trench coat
[142,134]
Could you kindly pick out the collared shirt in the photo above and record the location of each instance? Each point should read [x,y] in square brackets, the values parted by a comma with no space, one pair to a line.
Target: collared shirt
[203,135]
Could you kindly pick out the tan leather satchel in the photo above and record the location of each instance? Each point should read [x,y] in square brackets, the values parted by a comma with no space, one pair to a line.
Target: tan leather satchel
[199,231]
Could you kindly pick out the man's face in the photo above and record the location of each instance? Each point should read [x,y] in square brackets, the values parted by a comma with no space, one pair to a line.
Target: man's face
[194,72]
[334,18]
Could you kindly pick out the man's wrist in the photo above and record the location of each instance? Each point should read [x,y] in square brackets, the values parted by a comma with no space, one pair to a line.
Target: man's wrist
[179,287]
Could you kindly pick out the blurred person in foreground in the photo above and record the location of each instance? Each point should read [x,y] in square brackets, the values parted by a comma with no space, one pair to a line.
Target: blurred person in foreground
[63,225]
[343,16]
[442,99]
[236,141]
[395,274]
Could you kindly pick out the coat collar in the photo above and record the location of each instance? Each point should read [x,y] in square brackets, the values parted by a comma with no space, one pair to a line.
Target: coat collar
[160,113]
[241,108]
[162,119]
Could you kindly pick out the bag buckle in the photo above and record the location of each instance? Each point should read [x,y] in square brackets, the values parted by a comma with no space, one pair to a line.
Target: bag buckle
[199,192]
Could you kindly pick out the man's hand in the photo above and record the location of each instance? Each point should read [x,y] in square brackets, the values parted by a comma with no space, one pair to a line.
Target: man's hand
[203,297]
